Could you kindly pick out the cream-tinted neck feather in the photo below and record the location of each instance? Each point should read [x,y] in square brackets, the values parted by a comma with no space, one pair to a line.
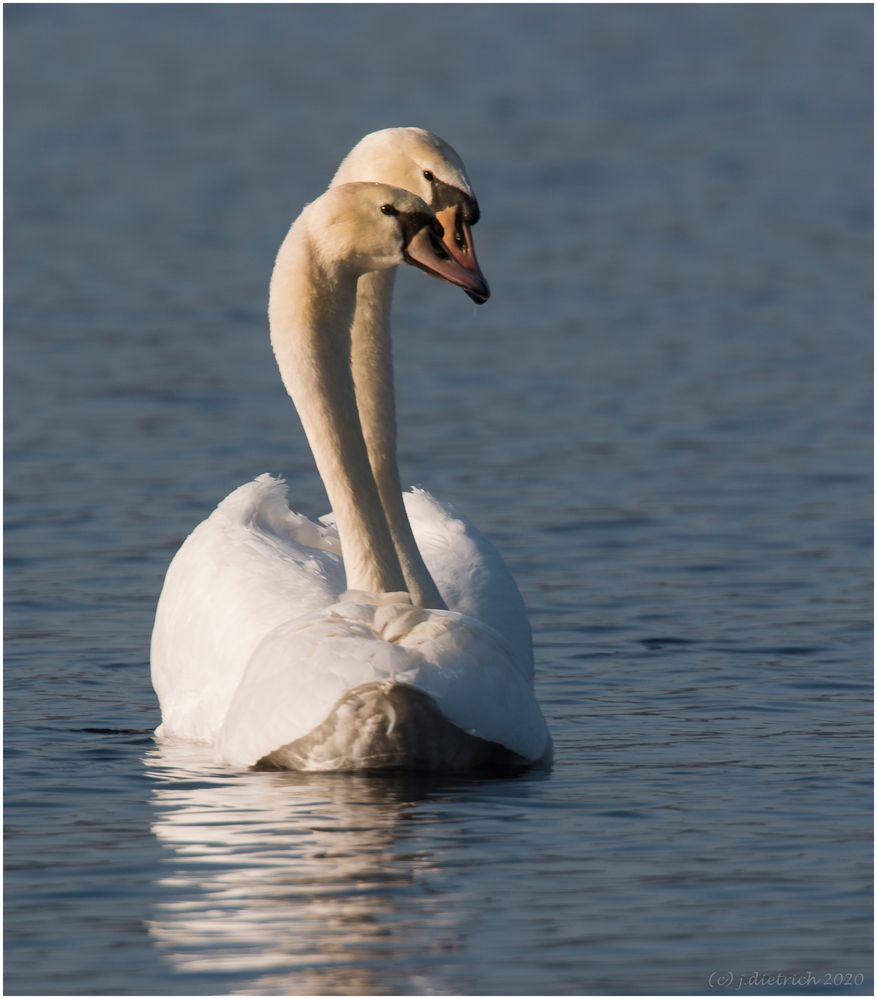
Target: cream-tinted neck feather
[398,156]
[311,306]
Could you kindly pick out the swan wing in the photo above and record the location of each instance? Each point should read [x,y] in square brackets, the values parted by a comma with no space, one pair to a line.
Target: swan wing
[249,566]
[470,573]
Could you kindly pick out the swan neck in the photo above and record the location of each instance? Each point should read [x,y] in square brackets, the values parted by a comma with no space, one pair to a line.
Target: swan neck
[311,307]
[372,365]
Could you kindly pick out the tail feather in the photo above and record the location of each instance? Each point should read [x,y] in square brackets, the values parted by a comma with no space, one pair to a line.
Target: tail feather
[381,726]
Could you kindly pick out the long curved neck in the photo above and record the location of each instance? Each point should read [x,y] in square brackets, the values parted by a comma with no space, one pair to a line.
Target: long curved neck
[372,364]
[310,310]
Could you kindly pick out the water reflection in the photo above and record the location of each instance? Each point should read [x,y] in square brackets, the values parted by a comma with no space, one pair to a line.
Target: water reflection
[301,880]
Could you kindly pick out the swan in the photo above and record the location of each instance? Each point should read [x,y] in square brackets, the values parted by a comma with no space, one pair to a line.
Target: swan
[256,644]
[419,161]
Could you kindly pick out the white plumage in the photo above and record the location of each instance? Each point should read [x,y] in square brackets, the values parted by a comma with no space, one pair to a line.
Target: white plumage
[269,645]
[257,594]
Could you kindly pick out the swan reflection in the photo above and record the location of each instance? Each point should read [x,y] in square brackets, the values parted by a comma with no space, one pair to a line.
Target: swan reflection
[301,883]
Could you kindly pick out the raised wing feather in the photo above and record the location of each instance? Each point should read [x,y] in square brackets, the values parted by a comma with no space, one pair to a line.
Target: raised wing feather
[252,565]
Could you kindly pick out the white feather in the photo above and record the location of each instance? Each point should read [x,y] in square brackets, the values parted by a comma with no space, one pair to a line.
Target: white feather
[259,590]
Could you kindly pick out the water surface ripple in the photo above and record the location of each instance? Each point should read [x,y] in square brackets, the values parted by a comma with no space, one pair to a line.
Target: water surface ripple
[662,419]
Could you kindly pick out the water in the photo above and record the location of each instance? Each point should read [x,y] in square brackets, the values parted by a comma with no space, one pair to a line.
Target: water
[662,419]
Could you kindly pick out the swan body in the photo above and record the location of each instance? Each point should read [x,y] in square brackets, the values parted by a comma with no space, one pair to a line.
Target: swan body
[365,665]
[254,566]
[270,644]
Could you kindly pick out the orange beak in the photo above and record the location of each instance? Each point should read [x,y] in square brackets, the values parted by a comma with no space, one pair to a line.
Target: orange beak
[427,251]
[458,242]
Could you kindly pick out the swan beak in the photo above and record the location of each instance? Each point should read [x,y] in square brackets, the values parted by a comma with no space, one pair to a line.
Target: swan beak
[458,242]
[426,250]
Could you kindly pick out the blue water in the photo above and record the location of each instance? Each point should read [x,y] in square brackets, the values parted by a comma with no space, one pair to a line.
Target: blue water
[662,419]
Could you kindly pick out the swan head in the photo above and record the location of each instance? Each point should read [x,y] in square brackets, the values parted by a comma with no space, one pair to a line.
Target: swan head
[368,227]
[418,161]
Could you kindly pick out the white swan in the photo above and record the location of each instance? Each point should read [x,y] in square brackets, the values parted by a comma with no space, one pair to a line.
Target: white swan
[418,161]
[258,584]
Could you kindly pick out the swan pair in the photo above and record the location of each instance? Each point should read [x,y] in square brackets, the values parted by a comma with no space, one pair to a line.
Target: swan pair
[415,650]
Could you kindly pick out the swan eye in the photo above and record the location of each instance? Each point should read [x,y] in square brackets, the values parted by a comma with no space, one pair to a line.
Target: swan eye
[428,175]
[389,210]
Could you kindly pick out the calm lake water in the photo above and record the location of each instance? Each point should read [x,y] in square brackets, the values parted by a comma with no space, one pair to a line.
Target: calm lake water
[662,419]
